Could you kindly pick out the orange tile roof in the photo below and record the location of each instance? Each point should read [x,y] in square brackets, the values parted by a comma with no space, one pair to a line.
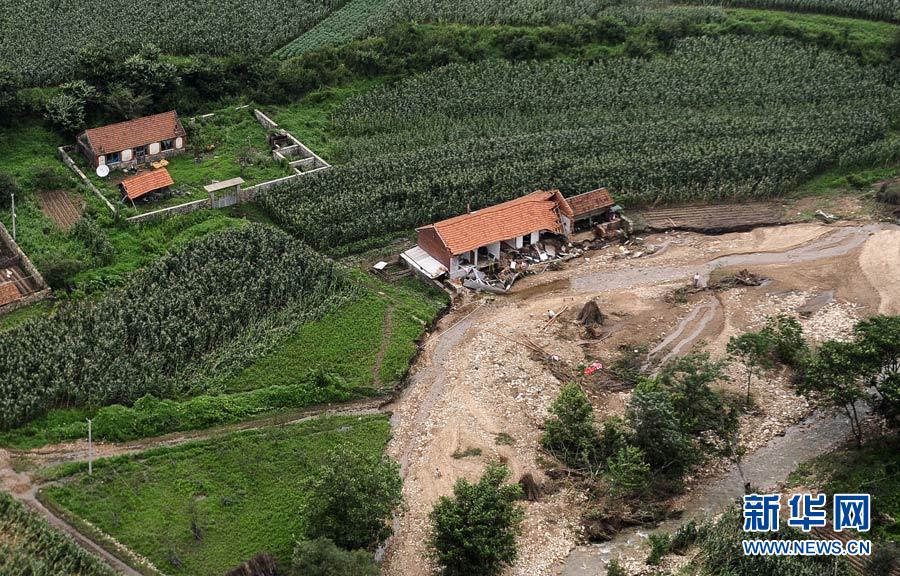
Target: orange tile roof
[590,201]
[134,133]
[147,182]
[530,213]
[9,293]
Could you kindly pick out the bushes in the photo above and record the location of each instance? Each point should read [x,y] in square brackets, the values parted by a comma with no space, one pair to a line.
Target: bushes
[352,498]
[322,557]
[474,532]
[721,553]
[95,239]
[671,422]
[150,416]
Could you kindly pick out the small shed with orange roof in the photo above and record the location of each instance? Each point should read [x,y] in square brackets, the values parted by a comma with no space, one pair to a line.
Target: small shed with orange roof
[142,184]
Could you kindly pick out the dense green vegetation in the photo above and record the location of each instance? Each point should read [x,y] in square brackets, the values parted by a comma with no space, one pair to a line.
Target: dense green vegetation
[720,119]
[200,311]
[720,552]
[30,547]
[203,507]
[37,39]
[366,18]
[871,470]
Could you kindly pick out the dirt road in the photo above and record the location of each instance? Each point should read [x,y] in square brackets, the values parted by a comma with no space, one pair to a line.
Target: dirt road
[475,384]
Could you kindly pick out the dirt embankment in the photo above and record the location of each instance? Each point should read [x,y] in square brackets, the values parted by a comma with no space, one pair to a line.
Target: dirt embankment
[478,395]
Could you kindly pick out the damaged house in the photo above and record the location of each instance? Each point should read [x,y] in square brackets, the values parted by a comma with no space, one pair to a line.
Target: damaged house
[492,246]
[475,240]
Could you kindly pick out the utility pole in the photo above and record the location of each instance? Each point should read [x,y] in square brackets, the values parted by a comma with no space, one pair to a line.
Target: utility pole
[90,450]
[13,194]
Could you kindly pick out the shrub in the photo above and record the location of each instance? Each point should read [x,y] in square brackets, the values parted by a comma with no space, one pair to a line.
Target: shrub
[352,498]
[322,557]
[754,351]
[613,437]
[627,473]
[47,178]
[8,187]
[659,547]
[474,532]
[95,239]
[889,193]
[59,271]
[615,569]
[150,416]
[570,434]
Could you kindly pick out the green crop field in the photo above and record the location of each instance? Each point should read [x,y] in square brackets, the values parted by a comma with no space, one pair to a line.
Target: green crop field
[243,493]
[366,18]
[39,38]
[199,311]
[29,546]
[720,119]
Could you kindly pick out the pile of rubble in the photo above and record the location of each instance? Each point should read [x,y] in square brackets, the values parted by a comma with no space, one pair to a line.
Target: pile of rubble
[500,275]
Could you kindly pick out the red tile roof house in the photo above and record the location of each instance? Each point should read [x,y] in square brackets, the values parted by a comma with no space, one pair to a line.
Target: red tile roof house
[134,142]
[476,237]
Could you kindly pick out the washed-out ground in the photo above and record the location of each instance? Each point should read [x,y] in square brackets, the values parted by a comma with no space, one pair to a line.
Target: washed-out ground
[477,381]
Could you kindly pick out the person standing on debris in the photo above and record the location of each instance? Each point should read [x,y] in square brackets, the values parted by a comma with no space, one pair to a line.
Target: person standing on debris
[696,280]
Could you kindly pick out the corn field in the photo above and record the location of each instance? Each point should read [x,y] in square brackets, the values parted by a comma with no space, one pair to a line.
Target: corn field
[364,18]
[30,547]
[351,22]
[39,38]
[175,322]
[730,118]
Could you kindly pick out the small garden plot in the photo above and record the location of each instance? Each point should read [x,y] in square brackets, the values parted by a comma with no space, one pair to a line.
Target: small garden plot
[227,144]
[200,508]
[60,207]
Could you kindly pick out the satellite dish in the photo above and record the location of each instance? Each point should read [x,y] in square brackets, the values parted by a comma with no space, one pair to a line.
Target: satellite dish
[103,171]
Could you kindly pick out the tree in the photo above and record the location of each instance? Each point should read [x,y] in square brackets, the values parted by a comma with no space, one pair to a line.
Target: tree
[322,557]
[67,109]
[123,102]
[474,532]
[837,376]
[657,431]
[627,472]
[571,434]
[8,187]
[878,340]
[699,408]
[10,84]
[352,498]
[788,345]
[754,351]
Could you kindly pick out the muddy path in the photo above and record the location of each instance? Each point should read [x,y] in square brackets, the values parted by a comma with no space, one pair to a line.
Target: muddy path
[840,242]
[764,469]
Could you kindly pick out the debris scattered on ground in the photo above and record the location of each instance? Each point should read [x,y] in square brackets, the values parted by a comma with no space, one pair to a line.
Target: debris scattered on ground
[825,217]
[742,278]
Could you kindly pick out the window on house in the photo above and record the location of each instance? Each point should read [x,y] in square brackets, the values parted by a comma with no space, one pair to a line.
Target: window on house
[140,151]
[166,145]
[114,157]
